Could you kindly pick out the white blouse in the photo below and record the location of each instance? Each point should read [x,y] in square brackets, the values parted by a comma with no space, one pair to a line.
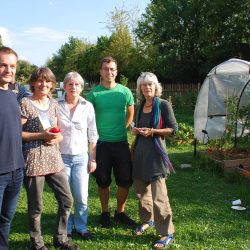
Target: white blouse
[78,129]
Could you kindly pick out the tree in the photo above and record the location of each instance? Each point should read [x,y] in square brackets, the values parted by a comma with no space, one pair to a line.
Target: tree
[121,48]
[89,62]
[121,19]
[123,42]
[24,70]
[81,56]
[187,37]
[66,59]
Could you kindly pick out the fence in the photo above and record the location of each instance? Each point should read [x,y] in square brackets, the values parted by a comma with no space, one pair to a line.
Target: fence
[181,96]
[177,87]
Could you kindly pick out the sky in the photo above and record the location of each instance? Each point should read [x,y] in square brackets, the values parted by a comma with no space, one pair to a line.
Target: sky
[36,29]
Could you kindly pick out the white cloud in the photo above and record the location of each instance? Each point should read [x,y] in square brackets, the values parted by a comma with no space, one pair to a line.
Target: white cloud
[37,44]
[44,34]
[5,35]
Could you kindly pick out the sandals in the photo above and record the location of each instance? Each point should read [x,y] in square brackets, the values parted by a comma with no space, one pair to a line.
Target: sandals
[166,242]
[140,229]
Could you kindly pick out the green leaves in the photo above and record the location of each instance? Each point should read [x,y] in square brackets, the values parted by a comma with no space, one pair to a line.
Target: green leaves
[192,36]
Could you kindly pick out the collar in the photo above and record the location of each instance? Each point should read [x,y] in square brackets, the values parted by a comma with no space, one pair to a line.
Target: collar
[62,99]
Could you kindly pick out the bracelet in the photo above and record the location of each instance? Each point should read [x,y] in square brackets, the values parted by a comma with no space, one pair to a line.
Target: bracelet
[152,132]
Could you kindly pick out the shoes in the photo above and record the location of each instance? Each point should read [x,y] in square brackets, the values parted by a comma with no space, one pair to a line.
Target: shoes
[164,243]
[85,236]
[140,229]
[105,219]
[69,244]
[124,219]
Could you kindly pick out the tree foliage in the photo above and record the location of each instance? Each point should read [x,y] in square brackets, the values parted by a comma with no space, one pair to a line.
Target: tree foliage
[189,36]
[85,58]
[179,40]
[67,57]
[24,70]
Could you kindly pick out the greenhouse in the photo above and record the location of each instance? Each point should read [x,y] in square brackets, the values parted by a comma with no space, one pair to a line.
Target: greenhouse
[225,90]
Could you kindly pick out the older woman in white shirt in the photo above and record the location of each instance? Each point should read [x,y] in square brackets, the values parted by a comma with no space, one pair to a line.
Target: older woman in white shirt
[78,148]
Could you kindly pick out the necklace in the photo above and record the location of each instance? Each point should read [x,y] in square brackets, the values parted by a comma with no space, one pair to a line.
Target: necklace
[147,106]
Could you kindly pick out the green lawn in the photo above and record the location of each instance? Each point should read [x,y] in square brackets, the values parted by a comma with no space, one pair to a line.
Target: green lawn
[201,202]
[200,199]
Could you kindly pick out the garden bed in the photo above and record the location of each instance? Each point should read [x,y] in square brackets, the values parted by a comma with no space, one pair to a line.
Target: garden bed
[230,160]
[230,154]
[244,171]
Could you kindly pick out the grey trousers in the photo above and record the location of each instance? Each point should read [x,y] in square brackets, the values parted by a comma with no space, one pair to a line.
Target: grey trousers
[154,204]
[34,186]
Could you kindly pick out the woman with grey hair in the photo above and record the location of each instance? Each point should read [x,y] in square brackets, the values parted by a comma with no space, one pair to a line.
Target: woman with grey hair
[78,127]
[151,166]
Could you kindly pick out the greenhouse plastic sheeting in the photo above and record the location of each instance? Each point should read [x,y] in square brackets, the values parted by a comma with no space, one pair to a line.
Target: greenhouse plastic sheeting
[230,78]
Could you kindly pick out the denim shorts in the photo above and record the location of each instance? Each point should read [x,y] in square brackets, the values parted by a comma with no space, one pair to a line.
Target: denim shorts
[113,156]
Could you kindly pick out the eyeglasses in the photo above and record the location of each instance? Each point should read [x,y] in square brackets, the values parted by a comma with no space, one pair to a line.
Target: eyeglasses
[109,69]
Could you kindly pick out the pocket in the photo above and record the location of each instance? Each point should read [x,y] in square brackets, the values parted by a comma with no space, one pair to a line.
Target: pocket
[78,125]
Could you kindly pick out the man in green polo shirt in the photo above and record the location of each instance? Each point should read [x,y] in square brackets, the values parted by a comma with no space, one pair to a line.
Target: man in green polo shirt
[114,108]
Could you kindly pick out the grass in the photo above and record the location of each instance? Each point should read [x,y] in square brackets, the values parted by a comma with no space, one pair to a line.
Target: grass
[201,202]
[200,199]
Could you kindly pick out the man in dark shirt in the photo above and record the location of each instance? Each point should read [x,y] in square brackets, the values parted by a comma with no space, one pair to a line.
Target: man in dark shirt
[12,163]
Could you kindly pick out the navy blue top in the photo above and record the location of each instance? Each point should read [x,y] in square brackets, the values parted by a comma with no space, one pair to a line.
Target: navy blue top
[11,156]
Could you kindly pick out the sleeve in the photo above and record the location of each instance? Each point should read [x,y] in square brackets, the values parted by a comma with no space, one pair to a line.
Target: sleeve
[24,107]
[168,116]
[91,122]
[90,97]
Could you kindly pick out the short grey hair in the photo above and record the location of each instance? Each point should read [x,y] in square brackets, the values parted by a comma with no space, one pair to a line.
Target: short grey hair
[73,76]
[148,77]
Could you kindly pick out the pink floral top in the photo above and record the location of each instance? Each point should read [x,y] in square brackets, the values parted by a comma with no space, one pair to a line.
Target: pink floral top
[40,159]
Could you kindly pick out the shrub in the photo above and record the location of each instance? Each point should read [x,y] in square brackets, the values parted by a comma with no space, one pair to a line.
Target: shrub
[184,135]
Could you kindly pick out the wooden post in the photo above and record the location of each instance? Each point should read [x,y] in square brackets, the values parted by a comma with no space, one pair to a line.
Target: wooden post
[195,147]
[170,100]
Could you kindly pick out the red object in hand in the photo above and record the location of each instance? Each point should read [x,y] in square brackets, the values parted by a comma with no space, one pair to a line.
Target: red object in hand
[55,130]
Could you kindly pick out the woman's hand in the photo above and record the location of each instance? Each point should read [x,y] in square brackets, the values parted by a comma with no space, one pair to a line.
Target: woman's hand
[92,166]
[51,138]
[135,130]
[146,131]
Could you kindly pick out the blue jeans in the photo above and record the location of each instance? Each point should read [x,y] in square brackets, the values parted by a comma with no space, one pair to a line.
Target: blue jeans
[76,167]
[10,186]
